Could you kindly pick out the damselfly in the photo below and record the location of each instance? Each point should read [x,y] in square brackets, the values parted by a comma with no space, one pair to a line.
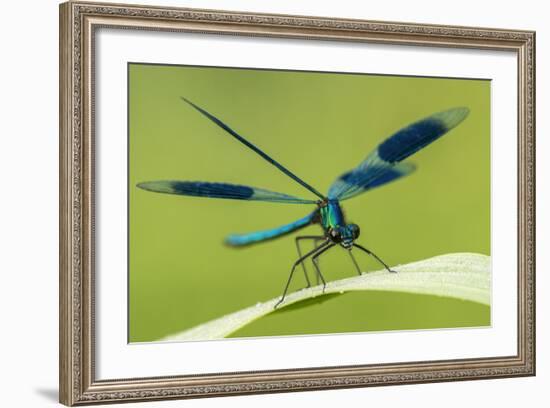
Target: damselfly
[381,166]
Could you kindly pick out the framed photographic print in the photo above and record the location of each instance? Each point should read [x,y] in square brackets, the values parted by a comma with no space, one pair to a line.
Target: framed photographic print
[260,203]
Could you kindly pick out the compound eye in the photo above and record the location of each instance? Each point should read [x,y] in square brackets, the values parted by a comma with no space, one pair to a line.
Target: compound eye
[356,231]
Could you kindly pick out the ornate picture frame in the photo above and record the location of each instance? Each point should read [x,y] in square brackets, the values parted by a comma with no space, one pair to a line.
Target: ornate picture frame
[79,22]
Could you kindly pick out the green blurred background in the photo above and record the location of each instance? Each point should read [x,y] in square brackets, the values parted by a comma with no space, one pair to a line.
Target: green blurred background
[318,125]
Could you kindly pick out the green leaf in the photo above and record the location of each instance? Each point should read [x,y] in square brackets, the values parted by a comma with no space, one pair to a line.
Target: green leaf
[463,276]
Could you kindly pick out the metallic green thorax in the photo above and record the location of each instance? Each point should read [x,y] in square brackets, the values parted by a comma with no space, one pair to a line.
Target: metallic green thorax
[332,215]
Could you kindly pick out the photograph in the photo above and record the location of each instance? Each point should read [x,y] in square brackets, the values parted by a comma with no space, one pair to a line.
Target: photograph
[267,202]
[258,202]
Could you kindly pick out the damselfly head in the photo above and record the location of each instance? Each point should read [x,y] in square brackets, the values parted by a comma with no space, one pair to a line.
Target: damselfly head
[354,230]
[350,233]
[344,235]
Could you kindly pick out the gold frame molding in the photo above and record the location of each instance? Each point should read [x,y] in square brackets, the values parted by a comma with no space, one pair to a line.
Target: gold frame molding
[78,22]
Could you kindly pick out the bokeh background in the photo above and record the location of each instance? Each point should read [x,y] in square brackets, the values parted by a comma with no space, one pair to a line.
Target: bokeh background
[319,125]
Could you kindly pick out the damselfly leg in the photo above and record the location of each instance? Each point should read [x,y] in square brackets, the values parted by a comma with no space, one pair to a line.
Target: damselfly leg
[318,275]
[374,256]
[354,262]
[315,261]
[315,238]
[298,262]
